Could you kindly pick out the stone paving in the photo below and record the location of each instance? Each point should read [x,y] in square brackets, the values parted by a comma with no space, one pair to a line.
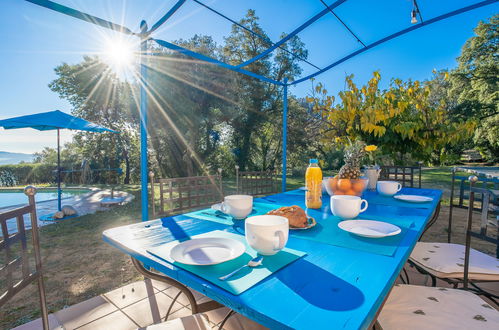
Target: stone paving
[136,305]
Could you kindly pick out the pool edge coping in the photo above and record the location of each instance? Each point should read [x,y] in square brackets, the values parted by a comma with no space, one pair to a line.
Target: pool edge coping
[91,190]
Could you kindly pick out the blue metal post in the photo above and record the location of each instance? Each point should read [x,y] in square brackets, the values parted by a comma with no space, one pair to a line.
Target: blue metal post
[59,190]
[143,125]
[284,132]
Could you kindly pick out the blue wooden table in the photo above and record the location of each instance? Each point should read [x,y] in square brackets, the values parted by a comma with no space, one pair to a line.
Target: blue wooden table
[332,287]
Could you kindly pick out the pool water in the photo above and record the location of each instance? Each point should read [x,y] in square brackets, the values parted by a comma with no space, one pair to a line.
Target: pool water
[491,171]
[16,197]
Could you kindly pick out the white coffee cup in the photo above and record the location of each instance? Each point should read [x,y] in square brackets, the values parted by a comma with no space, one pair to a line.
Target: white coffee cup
[238,206]
[267,234]
[346,206]
[388,188]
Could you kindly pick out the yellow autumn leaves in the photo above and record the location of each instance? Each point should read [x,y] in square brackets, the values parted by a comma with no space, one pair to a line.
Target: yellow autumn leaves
[365,109]
[405,110]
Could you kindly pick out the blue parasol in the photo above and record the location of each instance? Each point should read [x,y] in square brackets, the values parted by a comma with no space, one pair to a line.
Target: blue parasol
[53,120]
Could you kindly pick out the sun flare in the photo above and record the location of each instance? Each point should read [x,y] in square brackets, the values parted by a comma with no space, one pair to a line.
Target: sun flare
[120,56]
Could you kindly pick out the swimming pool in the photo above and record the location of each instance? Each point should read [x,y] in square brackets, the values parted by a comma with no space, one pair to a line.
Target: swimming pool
[488,171]
[16,197]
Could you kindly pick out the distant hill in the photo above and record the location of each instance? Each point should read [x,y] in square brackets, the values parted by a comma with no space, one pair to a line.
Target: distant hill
[7,158]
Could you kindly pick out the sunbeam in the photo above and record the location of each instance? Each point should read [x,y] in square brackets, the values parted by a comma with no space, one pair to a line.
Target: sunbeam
[152,94]
[119,54]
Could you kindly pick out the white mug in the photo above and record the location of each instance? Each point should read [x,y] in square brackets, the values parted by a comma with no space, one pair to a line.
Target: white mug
[238,206]
[267,234]
[388,188]
[346,206]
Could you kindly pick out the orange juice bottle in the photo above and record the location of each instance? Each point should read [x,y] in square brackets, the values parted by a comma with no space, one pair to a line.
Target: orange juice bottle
[313,182]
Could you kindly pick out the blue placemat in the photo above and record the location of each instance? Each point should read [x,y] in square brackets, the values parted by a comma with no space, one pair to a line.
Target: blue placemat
[288,198]
[374,198]
[259,208]
[298,192]
[243,280]
[327,231]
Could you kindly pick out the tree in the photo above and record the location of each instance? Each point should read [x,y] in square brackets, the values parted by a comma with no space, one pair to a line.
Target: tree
[201,116]
[97,94]
[258,103]
[427,126]
[475,84]
[189,100]
[47,155]
[487,137]
[405,118]
[361,112]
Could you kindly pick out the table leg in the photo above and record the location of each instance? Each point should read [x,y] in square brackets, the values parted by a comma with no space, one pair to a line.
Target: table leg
[221,326]
[165,279]
[432,220]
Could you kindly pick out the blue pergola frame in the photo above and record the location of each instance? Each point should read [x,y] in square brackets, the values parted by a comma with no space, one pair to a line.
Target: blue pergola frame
[145,35]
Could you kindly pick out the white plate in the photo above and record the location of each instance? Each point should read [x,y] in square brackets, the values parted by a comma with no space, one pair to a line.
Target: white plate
[369,228]
[303,188]
[413,198]
[207,251]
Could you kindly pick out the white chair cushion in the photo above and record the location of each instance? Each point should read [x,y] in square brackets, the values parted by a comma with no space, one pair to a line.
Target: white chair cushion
[419,307]
[191,322]
[446,260]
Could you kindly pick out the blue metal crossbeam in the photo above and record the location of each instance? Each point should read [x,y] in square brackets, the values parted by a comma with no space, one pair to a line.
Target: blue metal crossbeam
[261,37]
[166,16]
[395,35]
[292,34]
[81,15]
[214,61]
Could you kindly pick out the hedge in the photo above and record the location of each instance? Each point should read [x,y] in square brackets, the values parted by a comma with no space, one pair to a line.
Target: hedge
[28,173]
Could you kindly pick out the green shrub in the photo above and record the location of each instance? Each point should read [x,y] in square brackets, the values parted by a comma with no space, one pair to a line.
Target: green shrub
[27,173]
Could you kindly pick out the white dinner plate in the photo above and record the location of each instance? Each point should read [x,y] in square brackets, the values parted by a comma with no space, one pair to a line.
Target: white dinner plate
[207,251]
[413,198]
[303,188]
[369,228]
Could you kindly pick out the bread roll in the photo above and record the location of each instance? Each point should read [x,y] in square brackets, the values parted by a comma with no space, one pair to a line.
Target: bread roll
[296,215]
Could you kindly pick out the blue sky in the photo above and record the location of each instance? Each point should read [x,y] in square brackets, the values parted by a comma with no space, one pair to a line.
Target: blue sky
[35,40]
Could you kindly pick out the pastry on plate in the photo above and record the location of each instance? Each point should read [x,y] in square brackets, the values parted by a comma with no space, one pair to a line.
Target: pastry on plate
[296,215]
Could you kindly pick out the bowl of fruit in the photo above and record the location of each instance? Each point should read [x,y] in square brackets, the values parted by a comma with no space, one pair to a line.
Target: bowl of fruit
[337,186]
[349,180]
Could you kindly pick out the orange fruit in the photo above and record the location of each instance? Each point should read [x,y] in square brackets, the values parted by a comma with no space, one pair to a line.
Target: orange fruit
[351,192]
[333,182]
[358,185]
[344,184]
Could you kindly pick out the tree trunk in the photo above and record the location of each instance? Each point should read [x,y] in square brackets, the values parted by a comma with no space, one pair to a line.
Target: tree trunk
[127,167]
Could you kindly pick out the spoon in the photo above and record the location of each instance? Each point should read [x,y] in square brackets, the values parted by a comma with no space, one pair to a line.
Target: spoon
[255,262]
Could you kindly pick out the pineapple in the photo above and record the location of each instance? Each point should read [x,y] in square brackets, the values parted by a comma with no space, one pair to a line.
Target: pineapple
[353,155]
